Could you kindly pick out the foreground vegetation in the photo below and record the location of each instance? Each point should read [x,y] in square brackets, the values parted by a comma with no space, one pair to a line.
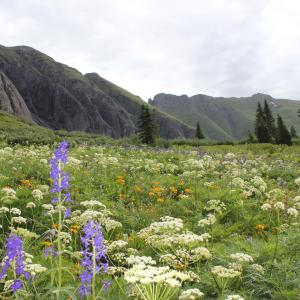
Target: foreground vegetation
[216,222]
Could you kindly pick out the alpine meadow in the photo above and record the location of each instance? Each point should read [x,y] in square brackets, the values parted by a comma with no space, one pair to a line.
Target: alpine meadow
[149,150]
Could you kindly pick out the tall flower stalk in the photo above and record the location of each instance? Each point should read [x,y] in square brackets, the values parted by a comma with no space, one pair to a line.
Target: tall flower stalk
[60,189]
[93,259]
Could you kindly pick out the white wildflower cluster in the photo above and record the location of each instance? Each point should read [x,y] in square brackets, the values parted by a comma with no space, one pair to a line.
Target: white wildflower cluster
[30,205]
[230,156]
[7,191]
[256,268]
[186,238]
[24,233]
[236,266]
[269,206]
[215,205]
[168,232]
[223,272]
[18,220]
[15,211]
[43,188]
[101,215]
[169,259]
[116,271]
[259,183]
[238,183]
[234,297]
[266,206]
[191,294]
[9,195]
[166,224]
[142,274]
[140,260]
[65,237]
[255,186]
[4,210]
[297,181]
[37,194]
[210,219]
[279,205]
[32,269]
[293,212]
[92,204]
[184,257]
[242,257]
[47,206]
[117,246]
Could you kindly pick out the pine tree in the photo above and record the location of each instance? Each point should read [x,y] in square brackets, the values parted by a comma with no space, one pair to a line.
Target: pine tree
[199,133]
[146,128]
[282,134]
[269,121]
[250,138]
[293,132]
[261,131]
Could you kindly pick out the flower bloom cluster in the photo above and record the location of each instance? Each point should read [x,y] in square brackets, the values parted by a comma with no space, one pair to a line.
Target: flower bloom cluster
[14,259]
[60,178]
[215,205]
[94,257]
[144,274]
[223,272]
[191,294]
[168,232]
[234,297]
[209,220]
[242,257]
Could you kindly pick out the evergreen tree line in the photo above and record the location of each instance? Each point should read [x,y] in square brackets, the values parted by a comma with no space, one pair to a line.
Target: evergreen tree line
[147,132]
[266,131]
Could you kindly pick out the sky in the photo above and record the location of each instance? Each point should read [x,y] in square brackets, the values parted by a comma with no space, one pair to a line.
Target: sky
[214,47]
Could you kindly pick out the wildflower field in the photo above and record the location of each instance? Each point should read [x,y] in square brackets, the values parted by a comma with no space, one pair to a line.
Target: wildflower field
[95,222]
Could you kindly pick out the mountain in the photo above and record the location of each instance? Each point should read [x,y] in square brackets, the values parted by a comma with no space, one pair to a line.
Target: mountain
[10,99]
[36,88]
[224,118]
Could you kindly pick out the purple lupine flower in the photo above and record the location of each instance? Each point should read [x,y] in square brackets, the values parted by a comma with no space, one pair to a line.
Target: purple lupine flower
[68,213]
[92,241]
[106,285]
[16,285]
[50,251]
[14,253]
[60,158]
[60,155]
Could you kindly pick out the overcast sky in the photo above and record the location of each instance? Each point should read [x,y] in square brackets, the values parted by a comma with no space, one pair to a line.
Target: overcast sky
[219,48]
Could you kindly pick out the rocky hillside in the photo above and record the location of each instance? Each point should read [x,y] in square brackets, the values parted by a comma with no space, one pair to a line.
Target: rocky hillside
[35,87]
[224,118]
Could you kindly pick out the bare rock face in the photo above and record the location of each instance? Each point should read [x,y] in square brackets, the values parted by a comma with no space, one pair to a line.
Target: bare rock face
[60,97]
[11,101]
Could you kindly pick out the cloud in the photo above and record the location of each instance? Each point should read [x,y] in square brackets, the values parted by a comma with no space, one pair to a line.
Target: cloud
[216,47]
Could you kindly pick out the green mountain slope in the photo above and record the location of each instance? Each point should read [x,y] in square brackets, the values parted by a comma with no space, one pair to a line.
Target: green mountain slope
[224,118]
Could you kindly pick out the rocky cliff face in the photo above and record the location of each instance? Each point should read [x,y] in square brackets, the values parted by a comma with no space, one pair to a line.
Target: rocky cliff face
[60,97]
[11,101]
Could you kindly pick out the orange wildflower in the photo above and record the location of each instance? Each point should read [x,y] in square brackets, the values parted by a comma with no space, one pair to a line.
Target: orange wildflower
[74,228]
